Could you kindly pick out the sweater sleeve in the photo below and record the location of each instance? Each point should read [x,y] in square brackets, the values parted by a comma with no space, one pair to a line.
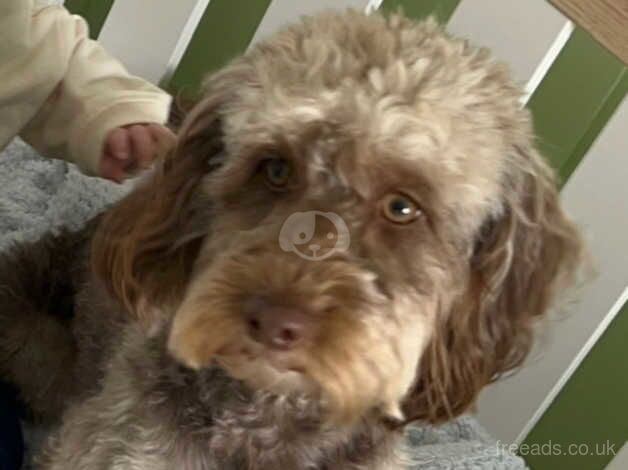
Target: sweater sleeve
[94,95]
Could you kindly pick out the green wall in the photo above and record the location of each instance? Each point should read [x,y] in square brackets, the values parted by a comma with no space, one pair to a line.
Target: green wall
[224,32]
[575,100]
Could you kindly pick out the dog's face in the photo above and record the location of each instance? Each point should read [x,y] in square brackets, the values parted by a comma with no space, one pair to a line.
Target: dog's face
[355,213]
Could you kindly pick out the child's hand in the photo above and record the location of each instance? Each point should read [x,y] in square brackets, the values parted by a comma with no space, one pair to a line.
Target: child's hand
[130,148]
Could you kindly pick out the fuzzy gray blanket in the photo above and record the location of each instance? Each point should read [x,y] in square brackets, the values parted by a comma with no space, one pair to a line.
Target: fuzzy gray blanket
[38,195]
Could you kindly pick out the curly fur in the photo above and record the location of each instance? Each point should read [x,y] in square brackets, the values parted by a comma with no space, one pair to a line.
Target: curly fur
[415,319]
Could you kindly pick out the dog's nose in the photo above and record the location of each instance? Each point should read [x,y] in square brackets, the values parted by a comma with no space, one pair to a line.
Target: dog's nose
[280,327]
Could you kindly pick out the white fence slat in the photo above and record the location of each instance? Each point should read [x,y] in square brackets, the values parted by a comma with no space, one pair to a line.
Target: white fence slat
[518,32]
[146,34]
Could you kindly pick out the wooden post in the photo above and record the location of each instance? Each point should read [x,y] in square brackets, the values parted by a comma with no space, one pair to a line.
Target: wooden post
[605,20]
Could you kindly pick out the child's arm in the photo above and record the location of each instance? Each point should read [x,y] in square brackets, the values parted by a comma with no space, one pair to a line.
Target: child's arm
[94,96]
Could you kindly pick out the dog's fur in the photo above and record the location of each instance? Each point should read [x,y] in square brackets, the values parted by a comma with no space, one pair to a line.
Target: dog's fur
[153,367]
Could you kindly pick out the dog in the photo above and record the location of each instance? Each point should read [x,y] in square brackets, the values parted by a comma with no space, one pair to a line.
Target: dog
[354,232]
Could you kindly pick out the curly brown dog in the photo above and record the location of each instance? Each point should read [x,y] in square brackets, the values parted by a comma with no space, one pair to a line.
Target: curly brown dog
[354,232]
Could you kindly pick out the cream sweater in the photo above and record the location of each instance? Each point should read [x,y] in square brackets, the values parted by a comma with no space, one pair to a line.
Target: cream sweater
[60,91]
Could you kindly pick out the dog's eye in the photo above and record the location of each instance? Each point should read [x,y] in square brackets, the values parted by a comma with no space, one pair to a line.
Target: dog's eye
[277,172]
[400,209]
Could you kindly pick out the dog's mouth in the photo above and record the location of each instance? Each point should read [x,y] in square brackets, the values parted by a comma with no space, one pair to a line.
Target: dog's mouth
[257,354]
[259,368]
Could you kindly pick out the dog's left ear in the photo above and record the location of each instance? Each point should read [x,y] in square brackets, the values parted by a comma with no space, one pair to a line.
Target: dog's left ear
[144,247]
[522,258]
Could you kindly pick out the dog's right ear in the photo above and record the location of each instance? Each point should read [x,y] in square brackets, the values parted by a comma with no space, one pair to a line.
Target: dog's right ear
[523,258]
[145,245]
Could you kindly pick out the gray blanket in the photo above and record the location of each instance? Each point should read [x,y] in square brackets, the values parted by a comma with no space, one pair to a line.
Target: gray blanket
[37,195]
